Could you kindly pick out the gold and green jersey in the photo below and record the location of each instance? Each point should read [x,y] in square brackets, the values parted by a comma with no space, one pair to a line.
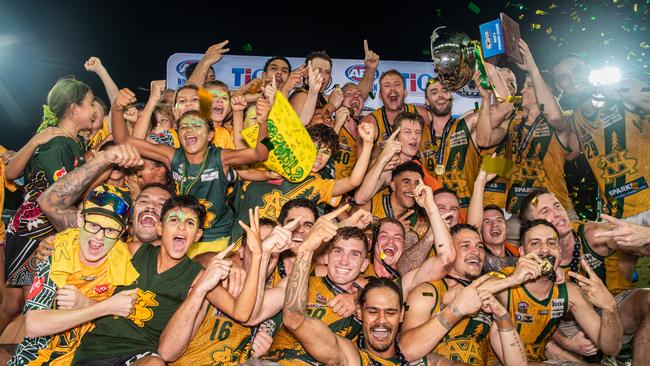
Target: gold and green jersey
[615,142]
[287,350]
[539,158]
[536,319]
[496,190]
[346,157]
[385,127]
[369,359]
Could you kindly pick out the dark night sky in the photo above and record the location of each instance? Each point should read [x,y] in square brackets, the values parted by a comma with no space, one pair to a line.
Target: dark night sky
[41,41]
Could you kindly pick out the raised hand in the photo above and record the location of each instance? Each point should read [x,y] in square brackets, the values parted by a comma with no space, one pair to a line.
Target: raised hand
[262,110]
[367,132]
[529,61]
[215,52]
[360,219]
[236,279]
[594,288]
[424,195]
[238,103]
[336,97]
[391,148]
[124,98]
[370,59]
[344,304]
[342,115]
[280,238]
[253,239]
[323,230]
[295,79]
[217,270]
[624,233]
[123,155]
[404,219]
[490,304]
[528,268]
[93,64]
[269,91]
[315,78]
[157,87]
[468,299]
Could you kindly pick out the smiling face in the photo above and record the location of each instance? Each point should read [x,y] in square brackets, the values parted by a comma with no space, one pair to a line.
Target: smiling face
[323,155]
[146,213]
[529,98]
[322,117]
[308,219]
[509,78]
[381,315]
[179,229]
[278,70]
[470,254]
[403,187]
[220,104]
[448,203]
[493,229]
[439,99]
[550,209]
[392,92]
[95,247]
[572,77]
[353,99]
[543,241]
[410,136]
[84,112]
[194,134]
[345,260]
[186,100]
[325,69]
[390,241]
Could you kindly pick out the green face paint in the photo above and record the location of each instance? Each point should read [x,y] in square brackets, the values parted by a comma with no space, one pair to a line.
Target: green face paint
[217,93]
[192,122]
[178,216]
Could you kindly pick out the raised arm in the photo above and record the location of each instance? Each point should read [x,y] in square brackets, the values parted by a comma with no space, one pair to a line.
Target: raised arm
[255,154]
[143,124]
[605,330]
[345,185]
[17,163]
[212,56]
[161,153]
[183,324]
[94,64]
[475,211]
[370,63]
[604,237]
[306,110]
[504,339]
[436,267]
[371,182]
[59,201]
[490,130]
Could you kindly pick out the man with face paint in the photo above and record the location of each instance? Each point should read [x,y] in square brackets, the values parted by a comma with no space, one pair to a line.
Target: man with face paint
[199,168]
[74,286]
[380,311]
[607,247]
[274,193]
[536,306]
[461,327]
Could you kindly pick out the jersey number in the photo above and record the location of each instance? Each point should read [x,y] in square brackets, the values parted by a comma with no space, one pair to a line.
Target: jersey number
[223,331]
[317,313]
[342,157]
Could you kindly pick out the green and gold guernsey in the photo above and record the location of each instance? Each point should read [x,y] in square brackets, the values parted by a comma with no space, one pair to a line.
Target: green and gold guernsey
[208,183]
[384,127]
[536,319]
[459,164]
[159,296]
[287,350]
[369,359]
[615,143]
[271,195]
[496,190]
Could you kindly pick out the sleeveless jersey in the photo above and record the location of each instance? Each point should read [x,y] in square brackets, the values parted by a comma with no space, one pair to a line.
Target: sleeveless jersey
[460,158]
[159,295]
[320,101]
[380,208]
[287,350]
[535,319]
[385,127]
[369,359]
[208,183]
[615,143]
[496,190]
[539,158]
[219,340]
[467,341]
[346,157]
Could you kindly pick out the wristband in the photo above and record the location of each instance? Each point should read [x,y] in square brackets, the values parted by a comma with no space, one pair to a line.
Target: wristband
[507,330]
[267,142]
[443,321]
[455,310]
[501,317]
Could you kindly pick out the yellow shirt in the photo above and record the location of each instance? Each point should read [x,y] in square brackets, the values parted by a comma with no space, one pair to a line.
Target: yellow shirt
[615,143]
[223,138]
[346,157]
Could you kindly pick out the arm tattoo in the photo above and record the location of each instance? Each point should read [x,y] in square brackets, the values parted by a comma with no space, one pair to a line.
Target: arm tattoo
[416,254]
[58,201]
[494,263]
[295,299]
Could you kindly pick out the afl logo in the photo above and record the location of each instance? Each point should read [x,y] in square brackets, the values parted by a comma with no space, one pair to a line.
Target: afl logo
[180,68]
[355,72]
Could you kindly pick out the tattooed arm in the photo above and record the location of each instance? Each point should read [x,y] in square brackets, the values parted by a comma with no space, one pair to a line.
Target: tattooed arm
[494,263]
[58,202]
[415,254]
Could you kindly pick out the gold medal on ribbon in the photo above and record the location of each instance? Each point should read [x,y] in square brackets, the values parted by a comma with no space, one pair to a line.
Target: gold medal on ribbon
[440,169]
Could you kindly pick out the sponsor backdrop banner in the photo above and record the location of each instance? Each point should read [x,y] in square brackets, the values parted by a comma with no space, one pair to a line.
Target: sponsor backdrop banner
[238,70]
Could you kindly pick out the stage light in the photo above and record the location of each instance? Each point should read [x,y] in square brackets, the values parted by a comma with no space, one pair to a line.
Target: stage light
[605,76]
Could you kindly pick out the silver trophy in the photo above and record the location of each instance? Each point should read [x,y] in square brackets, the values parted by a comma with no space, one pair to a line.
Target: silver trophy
[453,57]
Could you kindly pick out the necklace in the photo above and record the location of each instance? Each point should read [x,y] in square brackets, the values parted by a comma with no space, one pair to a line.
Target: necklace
[185,190]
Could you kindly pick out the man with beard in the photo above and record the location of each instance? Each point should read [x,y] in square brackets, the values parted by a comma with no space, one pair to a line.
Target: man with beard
[392,93]
[604,246]
[380,311]
[58,202]
[537,305]
[448,148]
[388,247]
[462,327]
[349,113]
[613,138]
[539,141]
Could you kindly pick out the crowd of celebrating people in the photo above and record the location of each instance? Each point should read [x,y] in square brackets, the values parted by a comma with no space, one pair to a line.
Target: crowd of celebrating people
[151,233]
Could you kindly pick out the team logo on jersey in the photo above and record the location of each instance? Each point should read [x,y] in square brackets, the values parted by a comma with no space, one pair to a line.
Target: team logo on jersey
[142,311]
[222,356]
[616,163]
[557,307]
[209,215]
[37,287]
[321,299]
[522,307]
[59,173]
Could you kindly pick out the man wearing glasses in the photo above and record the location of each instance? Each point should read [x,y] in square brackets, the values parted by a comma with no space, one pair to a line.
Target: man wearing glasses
[75,284]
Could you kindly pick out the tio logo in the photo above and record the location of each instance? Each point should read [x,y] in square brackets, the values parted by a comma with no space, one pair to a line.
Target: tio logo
[243,75]
[415,82]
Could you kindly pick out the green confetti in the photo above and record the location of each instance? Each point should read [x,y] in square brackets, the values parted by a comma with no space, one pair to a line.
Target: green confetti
[473,7]
[247,47]
[426,52]
[438,13]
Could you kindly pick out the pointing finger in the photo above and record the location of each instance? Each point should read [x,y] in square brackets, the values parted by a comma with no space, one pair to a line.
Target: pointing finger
[337,212]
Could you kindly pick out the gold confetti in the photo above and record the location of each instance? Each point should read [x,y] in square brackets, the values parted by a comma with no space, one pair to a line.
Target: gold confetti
[382,255]
[535,26]
[552,6]
[540,12]
[549,30]
[644,44]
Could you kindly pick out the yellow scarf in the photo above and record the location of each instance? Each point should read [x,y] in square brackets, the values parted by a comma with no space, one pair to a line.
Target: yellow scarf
[65,260]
